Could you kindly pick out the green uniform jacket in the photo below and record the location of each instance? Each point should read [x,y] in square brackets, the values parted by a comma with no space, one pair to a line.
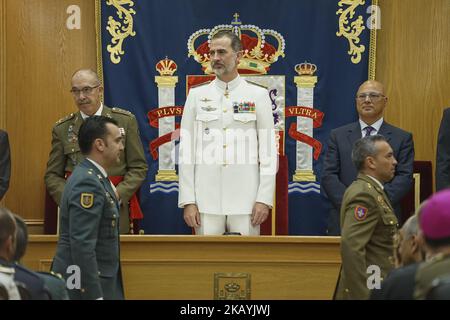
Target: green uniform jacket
[65,155]
[438,266]
[368,225]
[89,236]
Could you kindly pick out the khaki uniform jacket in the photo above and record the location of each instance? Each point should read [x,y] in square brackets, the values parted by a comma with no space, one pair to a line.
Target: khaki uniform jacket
[65,155]
[368,226]
[228,156]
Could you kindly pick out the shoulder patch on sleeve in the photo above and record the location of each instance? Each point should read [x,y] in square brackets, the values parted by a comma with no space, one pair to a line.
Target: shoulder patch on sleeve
[121,111]
[87,200]
[361,213]
[62,120]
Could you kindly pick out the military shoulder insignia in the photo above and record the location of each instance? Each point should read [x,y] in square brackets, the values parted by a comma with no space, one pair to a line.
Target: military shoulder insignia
[380,199]
[121,111]
[87,200]
[361,213]
[257,84]
[56,274]
[62,120]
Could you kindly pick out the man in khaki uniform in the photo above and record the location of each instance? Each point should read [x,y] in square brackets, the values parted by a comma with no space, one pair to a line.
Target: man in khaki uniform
[435,227]
[65,154]
[368,222]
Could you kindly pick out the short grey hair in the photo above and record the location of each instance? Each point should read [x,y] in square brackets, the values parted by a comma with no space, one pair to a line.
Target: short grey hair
[410,227]
[87,72]
[363,148]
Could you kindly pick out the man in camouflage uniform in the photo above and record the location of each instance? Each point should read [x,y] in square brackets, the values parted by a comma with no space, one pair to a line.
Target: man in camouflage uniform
[65,153]
[368,221]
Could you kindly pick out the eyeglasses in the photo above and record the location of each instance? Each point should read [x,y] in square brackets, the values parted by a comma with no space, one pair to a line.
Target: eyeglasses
[85,90]
[372,96]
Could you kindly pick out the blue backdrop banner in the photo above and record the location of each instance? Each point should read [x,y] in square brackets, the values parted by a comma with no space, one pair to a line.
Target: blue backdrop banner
[311,55]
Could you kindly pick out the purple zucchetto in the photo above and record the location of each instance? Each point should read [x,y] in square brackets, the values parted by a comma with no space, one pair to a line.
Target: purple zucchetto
[435,216]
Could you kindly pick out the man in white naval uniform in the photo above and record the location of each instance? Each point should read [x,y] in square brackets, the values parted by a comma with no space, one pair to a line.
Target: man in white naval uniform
[228,157]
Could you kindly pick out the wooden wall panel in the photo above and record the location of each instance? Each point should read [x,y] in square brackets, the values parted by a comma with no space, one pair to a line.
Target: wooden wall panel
[185,267]
[2,64]
[413,61]
[41,55]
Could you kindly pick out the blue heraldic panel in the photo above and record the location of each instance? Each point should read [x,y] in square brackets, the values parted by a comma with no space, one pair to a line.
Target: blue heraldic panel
[312,56]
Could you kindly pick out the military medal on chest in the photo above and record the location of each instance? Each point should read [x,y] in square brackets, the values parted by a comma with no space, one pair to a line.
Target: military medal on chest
[71,135]
[244,107]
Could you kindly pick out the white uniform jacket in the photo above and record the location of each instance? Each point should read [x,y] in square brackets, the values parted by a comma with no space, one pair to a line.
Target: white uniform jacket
[228,156]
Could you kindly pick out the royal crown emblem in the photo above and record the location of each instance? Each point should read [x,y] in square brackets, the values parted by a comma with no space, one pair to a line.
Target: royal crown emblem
[261,47]
[166,67]
[232,287]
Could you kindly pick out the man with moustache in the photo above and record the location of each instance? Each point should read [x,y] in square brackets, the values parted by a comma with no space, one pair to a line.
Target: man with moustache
[227,148]
[338,170]
[368,221]
[127,175]
[88,244]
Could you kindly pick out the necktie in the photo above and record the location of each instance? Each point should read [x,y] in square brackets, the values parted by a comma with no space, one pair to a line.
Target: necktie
[368,130]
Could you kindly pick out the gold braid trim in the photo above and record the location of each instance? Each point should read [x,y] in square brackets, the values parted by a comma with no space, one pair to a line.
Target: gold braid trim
[352,31]
[119,31]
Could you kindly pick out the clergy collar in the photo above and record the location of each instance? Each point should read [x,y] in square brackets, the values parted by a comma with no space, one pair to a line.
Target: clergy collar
[231,85]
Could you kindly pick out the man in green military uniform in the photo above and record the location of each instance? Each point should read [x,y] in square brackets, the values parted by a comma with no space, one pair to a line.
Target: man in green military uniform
[368,221]
[65,154]
[88,249]
[435,227]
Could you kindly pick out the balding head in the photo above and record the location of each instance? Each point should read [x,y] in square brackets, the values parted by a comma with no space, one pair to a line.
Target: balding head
[86,74]
[87,91]
[372,84]
[370,101]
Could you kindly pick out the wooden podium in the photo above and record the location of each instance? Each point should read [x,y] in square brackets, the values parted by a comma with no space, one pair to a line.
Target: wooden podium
[217,267]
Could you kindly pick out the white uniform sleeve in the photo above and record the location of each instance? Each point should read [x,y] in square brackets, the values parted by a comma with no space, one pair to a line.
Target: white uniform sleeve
[267,151]
[186,165]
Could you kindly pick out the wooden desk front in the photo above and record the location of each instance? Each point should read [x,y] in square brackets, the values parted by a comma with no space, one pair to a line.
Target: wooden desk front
[197,267]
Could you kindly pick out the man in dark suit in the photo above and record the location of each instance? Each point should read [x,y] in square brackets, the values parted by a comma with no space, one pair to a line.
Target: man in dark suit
[5,163]
[87,253]
[338,170]
[443,153]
